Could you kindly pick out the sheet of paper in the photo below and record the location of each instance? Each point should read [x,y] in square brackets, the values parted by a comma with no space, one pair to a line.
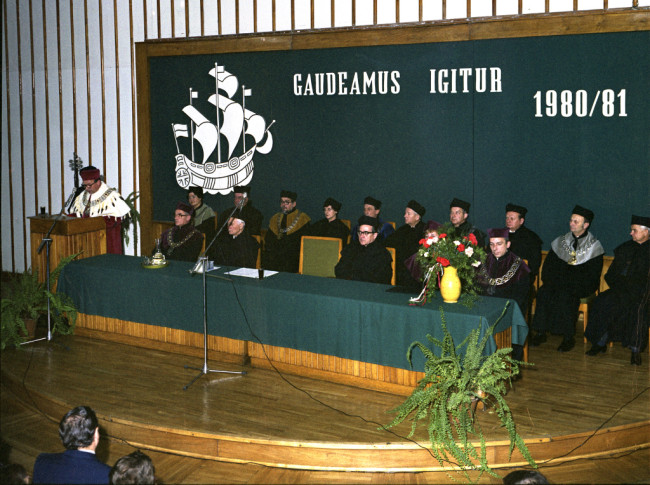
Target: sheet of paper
[250,273]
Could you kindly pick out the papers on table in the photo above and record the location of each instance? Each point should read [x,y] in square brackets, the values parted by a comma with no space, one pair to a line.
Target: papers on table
[250,273]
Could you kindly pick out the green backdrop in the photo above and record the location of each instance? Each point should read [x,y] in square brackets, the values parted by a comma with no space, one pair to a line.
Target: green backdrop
[589,146]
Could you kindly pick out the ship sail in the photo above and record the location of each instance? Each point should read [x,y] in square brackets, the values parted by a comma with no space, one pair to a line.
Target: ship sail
[233,120]
[206,133]
[227,82]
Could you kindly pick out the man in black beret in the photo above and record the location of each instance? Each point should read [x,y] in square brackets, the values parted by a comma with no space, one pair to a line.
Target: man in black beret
[242,199]
[523,242]
[235,246]
[458,214]
[372,208]
[182,242]
[331,225]
[365,259]
[571,271]
[406,241]
[620,314]
[282,241]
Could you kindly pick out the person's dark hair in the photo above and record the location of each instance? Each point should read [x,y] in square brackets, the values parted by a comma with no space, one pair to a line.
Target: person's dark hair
[14,474]
[77,428]
[133,468]
[524,477]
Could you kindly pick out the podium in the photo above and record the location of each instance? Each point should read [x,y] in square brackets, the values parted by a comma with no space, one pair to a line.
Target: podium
[69,236]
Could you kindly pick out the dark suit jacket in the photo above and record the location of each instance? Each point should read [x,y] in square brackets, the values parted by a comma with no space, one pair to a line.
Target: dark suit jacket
[71,466]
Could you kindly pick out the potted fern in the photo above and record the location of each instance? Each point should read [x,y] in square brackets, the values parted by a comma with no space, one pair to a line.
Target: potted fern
[445,400]
[27,299]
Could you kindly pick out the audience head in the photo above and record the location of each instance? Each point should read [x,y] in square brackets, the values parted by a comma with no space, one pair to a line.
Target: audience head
[195,197]
[14,474]
[413,213]
[133,468]
[524,477]
[499,241]
[458,211]
[371,207]
[515,215]
[91,179]
[287,201]
[367,231]
[183,214]
[79,428]
[640,231]
[580,220]
[331,208]
[239,192]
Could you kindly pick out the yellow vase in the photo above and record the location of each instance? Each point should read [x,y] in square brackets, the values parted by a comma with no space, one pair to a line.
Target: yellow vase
[450,285]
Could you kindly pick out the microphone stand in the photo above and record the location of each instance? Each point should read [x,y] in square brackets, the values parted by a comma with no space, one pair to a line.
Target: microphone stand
[201,267]
[46,242]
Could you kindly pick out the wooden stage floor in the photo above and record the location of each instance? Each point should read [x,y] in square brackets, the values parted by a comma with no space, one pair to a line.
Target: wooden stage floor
[575,413]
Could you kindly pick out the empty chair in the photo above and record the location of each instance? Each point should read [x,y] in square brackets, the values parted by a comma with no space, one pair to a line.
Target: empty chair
[319,255]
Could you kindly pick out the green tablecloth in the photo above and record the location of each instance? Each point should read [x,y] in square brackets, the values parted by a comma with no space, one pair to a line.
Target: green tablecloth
[348,319]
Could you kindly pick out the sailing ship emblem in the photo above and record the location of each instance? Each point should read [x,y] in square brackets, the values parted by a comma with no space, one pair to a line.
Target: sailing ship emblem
[234,125]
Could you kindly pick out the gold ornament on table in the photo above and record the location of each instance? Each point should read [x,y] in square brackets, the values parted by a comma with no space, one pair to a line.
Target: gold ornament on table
[157,260]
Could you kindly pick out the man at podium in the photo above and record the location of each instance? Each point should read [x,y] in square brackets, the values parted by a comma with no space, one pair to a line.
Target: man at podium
[99,200]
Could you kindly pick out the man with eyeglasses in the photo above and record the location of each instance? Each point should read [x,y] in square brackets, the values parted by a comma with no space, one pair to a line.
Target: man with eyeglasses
[182,242]
[282,240]
[99,200]
[365,259]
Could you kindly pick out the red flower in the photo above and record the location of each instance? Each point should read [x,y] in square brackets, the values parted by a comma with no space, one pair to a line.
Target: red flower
[472,239]
[423,242]
[442,236]
[442,261]
[461,248]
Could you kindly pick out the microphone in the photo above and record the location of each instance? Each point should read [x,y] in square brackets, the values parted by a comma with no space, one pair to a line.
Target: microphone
[243,200]
[72,197]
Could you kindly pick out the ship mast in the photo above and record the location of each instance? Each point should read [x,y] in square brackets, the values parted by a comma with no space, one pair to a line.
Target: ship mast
[217,70]
[193,94]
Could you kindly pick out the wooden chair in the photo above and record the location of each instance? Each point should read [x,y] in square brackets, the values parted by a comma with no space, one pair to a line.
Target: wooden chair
[348,223]
[393,280]
[319,255]
[258,238]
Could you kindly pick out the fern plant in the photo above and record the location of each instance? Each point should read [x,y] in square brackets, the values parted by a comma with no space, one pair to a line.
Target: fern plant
[446,398]
[132,218]
[27,298]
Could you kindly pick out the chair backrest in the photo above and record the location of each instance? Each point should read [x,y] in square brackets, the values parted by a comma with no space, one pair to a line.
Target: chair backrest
[347,222]
[393,280]
[319,255]
[258,238]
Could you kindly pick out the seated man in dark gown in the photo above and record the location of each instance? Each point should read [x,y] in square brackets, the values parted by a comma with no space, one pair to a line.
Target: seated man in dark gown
[505,275]
[406,241]
[235,247]
[182,242]
[620,314]
[365,259]
[331,225]
[570,272]
[282,240]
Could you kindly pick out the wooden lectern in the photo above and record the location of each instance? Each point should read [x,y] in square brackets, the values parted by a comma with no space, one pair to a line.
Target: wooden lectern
[69,236]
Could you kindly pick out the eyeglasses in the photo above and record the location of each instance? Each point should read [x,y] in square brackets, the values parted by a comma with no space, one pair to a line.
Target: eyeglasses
[181,215]
[365,233]
[90,184]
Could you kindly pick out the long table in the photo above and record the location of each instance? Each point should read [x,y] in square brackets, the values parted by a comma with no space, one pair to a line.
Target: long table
[353,321]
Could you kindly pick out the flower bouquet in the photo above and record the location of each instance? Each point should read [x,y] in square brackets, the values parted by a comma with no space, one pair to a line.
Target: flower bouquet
[443,249]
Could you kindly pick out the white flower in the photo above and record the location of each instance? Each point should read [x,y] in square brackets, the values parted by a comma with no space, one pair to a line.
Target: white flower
[476,264]
[469,250]
[432,240]
[426,254]
[457,243]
